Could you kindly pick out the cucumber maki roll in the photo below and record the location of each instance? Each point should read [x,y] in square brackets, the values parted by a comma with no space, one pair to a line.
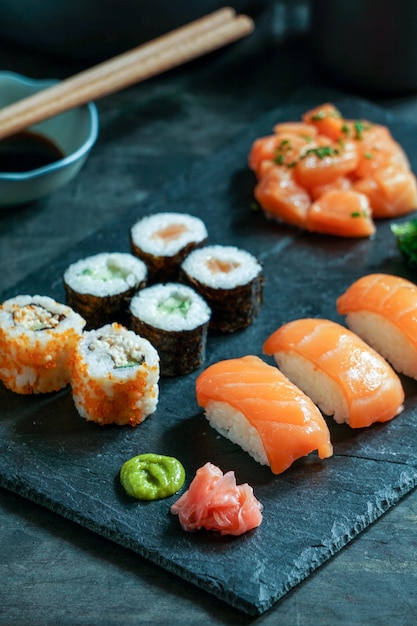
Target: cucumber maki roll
[163,240]
[37,338]
[231,282]
[99,287]
[175,320]
[115,376]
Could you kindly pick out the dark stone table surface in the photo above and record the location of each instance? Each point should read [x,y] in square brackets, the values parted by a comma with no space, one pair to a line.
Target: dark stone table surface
[55,572]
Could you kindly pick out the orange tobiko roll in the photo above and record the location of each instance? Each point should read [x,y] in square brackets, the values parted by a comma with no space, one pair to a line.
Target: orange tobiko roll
[114,376]
[37,338]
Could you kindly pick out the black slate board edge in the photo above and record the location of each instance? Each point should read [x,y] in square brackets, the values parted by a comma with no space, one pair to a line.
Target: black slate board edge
[315,556]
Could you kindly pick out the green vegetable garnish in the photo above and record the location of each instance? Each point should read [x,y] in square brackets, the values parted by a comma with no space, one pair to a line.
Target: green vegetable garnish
[406,235]
[321,152]
[320,115]
[175,303]
[152,476]
[360,127]
[105,273]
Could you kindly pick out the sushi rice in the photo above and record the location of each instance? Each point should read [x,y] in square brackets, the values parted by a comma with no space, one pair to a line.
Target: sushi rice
[163,240]
[37,339]
[115,375]
[230,280]
[100,286]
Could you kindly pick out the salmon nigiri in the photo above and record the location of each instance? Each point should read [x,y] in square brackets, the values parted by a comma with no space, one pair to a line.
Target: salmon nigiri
[257,407]
[337,370]
[382,309]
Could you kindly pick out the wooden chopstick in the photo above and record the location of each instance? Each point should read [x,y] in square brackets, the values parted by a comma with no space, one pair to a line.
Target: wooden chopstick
[166,52]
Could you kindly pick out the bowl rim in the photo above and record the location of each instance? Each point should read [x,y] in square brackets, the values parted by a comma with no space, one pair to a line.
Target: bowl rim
[66,160]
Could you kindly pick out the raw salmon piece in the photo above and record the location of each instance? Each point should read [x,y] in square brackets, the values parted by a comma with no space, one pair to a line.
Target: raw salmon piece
[281,197]
[283,148]
[382,309]
[342,213]
[306,131]
[263,149]
[391,190]
[342,183]
[376,147]
[325,162]
[327,119]
[215,502]
[338,371]
[256,406]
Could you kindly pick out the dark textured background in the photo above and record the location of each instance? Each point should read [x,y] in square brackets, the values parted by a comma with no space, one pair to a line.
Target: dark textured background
[58,572]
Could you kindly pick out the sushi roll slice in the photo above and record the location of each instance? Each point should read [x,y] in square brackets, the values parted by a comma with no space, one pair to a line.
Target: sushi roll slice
[115,376]
[254,405]
[338,371]
[99,287]
[381,309]
[230,280]
[163,240]
[37,338]
[175,319]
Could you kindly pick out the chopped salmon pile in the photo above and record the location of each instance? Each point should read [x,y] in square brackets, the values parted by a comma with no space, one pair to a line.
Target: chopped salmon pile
[328,174]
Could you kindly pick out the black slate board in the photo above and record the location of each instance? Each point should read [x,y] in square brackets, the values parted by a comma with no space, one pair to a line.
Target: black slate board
[53,457]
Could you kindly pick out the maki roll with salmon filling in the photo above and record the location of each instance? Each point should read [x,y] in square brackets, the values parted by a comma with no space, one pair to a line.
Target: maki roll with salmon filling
[37,338]
[230,280]
[99,287]
[175,319]
[114,376]
[163,240]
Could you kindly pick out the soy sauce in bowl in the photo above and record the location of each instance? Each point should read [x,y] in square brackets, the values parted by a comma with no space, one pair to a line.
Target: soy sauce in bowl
[26,151]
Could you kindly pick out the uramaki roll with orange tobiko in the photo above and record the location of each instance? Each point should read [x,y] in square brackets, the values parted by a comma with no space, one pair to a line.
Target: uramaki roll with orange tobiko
[37,339]
[114,376]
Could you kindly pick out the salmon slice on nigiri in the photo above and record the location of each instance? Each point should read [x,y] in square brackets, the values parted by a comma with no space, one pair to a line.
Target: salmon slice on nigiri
[382,309]
[342,374]
[256,406]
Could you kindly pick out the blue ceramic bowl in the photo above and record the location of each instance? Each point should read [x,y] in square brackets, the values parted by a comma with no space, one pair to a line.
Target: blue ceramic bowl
[73,133]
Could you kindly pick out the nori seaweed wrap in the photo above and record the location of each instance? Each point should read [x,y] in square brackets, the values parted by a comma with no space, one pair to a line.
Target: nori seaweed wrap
[174,318]
[100,287]
[231,282]
[163,240]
